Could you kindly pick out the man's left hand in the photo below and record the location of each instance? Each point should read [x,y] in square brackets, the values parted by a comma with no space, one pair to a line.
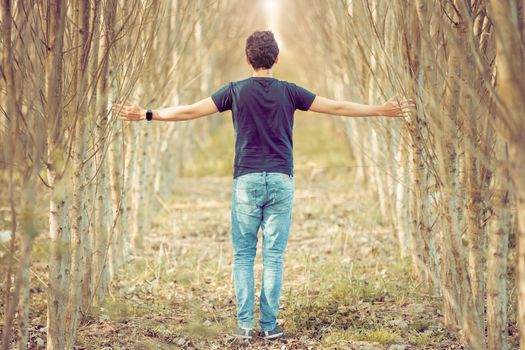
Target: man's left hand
[130,112]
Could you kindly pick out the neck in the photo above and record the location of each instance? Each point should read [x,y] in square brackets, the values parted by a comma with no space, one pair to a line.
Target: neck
[262,73]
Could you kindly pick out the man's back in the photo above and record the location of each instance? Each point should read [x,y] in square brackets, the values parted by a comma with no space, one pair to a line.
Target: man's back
[262,110]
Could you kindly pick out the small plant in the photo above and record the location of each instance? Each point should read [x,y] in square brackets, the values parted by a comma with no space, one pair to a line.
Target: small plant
[376,335]
[420,339]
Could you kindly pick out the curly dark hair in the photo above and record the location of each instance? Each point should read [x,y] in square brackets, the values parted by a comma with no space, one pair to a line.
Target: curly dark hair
[262,49]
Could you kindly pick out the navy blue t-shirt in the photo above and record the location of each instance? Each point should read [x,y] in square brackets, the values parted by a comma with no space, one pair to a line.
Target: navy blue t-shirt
[262,112]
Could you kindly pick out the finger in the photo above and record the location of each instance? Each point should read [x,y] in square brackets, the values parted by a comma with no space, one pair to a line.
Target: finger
[120,106]
[117,106]
[392,100]
[125,103]
[407,109]
[408,103]
[120,111]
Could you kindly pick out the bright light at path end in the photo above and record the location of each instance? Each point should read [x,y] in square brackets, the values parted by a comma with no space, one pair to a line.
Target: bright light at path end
[271,11]
[271,7]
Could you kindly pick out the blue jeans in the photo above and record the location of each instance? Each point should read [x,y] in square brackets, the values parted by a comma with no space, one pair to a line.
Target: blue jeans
[260,200]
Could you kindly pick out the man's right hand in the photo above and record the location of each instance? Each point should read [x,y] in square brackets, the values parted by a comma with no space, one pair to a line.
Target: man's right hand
[395,108]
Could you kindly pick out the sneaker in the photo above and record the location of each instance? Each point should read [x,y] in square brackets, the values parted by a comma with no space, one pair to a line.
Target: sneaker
[244,333]
[274,333]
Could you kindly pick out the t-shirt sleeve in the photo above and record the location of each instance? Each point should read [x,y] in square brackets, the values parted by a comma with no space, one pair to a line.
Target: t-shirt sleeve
[302,98]
[223,98]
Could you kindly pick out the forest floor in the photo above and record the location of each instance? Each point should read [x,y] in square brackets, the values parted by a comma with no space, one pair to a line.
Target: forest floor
[345,286]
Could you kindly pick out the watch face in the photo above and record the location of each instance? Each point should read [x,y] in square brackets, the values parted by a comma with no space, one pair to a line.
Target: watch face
[149,114]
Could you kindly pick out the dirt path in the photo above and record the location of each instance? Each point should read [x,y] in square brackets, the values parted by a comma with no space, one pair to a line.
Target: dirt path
[344,287]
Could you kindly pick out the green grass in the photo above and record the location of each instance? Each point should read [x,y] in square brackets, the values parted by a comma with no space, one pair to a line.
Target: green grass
[420,339]
[376,335]
[122,309]
[333,298]
[216,158]
[319,141]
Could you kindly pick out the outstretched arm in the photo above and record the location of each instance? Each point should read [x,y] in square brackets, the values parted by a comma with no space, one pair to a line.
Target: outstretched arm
[391,108]
[133,112]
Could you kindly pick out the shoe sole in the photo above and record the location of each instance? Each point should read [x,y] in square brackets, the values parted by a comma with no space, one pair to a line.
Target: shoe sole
[243,336]
[273,336]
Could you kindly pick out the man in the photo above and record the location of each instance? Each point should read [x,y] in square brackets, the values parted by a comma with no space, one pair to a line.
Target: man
[263,181]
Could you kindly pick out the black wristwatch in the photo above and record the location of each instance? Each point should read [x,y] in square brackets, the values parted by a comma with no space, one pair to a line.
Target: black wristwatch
[149,115]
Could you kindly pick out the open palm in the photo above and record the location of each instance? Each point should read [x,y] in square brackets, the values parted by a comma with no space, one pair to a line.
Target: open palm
[396,108]
[130,111]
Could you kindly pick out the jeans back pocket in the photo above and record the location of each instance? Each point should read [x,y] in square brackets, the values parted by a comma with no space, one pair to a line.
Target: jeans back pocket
[245,200]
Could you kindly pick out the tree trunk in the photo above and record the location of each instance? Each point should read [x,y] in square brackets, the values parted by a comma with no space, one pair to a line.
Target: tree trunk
[22,286]
[498,242]
[417,245]
[510,63]
[79,222]
[104,229]
[452,277]
[9,150]
[58,269]
[117,196]
[58,220]
[142,209]
[89,170]
[468,313]
[472,148]
[402,207]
